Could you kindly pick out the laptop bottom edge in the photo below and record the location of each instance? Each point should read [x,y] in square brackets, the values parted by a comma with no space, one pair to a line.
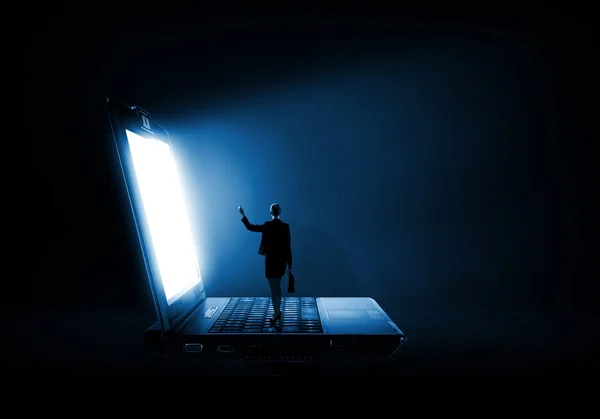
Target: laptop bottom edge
[275,347]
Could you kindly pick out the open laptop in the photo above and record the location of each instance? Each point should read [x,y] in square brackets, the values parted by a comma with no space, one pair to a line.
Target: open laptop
[189,322]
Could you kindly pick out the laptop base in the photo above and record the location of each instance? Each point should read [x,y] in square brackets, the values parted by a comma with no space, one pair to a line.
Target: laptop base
[311,329]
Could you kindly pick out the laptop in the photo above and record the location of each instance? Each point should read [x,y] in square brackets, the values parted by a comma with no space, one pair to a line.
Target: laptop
[192,324]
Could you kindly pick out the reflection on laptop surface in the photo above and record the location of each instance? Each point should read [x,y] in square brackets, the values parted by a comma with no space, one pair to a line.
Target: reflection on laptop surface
[189,322]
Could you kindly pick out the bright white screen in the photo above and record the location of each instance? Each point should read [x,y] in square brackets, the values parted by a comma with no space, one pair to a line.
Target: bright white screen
[165,211]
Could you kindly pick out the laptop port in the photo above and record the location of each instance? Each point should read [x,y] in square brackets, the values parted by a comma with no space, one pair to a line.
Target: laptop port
[342,343]
[193,347]
[225,348]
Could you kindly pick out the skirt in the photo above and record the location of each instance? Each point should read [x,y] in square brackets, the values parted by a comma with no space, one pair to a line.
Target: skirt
[274,267]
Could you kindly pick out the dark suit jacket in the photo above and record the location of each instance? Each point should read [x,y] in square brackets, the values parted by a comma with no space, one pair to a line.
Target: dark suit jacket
[275,245]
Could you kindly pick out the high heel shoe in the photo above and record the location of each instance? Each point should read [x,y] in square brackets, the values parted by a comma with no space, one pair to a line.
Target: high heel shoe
[275,318]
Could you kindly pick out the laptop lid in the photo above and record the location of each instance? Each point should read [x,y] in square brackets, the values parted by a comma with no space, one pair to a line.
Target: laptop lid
[158,207]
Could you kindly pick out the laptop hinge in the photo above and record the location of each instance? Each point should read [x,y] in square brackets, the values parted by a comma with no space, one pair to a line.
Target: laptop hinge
[180,322]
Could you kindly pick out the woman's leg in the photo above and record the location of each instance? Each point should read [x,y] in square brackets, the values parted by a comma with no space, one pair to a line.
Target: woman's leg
[275,284]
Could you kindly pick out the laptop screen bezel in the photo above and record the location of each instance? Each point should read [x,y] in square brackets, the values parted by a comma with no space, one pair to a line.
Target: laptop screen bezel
[124,118]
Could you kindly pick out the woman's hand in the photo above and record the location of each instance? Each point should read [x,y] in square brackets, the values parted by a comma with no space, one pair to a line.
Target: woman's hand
[241,210]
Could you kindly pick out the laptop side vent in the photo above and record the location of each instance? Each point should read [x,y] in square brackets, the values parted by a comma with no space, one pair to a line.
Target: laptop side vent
[278,353]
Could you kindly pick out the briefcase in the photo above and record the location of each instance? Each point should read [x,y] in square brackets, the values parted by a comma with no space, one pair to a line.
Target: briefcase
[291,282]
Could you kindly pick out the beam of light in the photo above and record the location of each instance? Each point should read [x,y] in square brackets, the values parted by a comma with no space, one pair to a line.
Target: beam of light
[165,210]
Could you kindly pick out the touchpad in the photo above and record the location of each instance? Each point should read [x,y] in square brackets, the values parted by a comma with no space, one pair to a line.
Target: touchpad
[347,314]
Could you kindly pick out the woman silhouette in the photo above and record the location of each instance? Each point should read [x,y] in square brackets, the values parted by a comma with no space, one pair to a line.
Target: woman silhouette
[276,246]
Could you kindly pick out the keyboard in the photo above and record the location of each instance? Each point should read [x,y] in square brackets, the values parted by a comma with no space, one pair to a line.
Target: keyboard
[252,315]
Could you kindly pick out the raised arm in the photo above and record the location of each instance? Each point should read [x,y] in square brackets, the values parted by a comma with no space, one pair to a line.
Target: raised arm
[257,228]
[251,227]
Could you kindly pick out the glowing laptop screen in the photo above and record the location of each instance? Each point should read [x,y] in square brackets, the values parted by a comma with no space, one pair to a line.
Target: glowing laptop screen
[166,215]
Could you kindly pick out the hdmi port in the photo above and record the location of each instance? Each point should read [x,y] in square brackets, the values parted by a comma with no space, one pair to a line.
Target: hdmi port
[225,348]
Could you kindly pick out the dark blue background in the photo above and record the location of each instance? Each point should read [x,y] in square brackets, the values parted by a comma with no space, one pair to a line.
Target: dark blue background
[437,162]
